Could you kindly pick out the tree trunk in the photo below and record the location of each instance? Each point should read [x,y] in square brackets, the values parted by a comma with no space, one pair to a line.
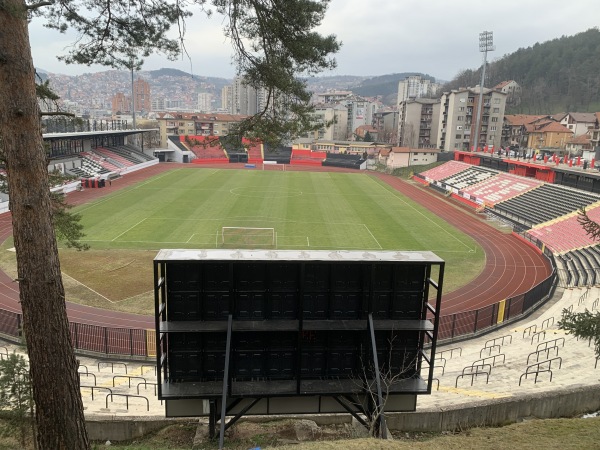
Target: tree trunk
[59,409]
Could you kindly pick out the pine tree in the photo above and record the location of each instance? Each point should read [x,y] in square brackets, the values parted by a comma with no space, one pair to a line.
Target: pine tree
[274,41]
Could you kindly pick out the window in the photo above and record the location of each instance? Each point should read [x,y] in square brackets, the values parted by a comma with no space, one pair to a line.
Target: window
[461,108]
[459,127]
[496,101]
[494,119]
[459,136]
[492,128]
[460,118]
[496,110]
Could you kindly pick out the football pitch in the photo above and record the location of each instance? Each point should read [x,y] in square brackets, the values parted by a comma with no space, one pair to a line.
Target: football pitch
[188,208]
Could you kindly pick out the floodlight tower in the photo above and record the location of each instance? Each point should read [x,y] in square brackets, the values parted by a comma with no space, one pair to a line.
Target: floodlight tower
[486,44]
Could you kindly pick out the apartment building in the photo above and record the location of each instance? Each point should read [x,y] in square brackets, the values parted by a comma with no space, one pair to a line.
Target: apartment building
[331,96]
[245,99]
[360,112]
[416,87]
[141,95]
[386,122]
[458,118]
[205,102]
[194,124]
[338,115]
[418,120]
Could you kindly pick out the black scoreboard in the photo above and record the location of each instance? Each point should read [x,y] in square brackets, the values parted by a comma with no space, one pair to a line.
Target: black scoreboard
[280,331]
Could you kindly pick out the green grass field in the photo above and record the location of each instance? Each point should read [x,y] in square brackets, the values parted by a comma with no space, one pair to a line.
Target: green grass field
[187,208]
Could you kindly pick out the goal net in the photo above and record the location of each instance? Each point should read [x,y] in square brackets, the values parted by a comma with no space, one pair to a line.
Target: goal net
[245,237]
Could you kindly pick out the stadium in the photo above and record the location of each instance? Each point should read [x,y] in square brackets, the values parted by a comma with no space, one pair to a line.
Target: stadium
[503,261]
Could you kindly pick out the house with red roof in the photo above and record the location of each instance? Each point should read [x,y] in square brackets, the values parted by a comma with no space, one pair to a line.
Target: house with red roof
[548,134]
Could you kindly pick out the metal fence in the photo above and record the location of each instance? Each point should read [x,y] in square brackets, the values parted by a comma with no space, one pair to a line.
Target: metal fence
[470,322]
[131,342]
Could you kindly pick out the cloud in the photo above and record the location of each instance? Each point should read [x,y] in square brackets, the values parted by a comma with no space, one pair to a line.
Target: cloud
[438,37]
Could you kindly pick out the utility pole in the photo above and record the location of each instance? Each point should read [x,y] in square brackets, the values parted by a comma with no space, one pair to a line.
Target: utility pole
[486,44]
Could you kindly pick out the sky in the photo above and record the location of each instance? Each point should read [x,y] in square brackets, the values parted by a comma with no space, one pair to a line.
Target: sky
[436,37]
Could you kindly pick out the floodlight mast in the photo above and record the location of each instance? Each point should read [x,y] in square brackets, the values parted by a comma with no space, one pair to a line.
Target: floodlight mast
[486,44]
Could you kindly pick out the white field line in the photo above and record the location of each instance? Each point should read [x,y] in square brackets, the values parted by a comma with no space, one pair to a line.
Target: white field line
[88,288]
[381,185]
[193,234]
[307,242]
[122,192]
[374,238]
[128,229]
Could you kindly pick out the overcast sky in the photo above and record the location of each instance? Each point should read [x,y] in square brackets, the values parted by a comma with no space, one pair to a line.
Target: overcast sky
[437,37]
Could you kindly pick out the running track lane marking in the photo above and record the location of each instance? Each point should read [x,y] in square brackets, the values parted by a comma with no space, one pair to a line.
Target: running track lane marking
[128,229]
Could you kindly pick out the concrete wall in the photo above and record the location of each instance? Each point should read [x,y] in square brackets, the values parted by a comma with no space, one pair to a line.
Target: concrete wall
[124,429]
[548,405]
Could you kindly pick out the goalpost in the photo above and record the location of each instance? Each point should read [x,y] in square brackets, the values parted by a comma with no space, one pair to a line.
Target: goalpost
[248,237]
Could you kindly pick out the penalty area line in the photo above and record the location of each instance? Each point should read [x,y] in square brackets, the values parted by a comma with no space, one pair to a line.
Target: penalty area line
[128,229]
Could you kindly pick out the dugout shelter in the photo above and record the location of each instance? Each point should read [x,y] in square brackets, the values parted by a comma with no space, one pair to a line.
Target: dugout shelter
[295,332]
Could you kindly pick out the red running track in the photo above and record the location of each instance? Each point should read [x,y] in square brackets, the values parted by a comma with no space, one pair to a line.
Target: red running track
[512,267]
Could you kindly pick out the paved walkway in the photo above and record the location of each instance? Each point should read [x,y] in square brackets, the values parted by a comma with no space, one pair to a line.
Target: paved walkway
[508,352]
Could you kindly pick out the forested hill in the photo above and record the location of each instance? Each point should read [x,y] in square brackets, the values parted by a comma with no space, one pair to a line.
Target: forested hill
[556,76]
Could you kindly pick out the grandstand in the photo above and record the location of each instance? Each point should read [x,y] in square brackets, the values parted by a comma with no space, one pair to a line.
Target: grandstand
[501,187]
[279,155]
[543,213]
[444,171]
[205,149]
[307,157]
[344,160]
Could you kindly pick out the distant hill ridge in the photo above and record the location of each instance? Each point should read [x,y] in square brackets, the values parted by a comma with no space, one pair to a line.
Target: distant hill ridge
[558,75]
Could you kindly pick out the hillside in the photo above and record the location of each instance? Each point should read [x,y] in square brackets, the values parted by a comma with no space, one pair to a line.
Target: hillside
[558,75]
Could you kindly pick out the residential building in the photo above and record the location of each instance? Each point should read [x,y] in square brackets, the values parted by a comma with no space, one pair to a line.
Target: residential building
[141,95]
[120,104]
[341,146]
[416,87]
[512,89]
[227,98]
[386,122]
[205,102]
[579,123]
[515,130]
[458,119]
[577,145]
[360,112]
[418,121]
[331,96]
[337,115]
[194,124]
[245,99]
[548,135]
[406,156]
[158,104]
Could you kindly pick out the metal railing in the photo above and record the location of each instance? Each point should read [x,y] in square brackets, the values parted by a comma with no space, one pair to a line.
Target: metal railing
[135,343]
